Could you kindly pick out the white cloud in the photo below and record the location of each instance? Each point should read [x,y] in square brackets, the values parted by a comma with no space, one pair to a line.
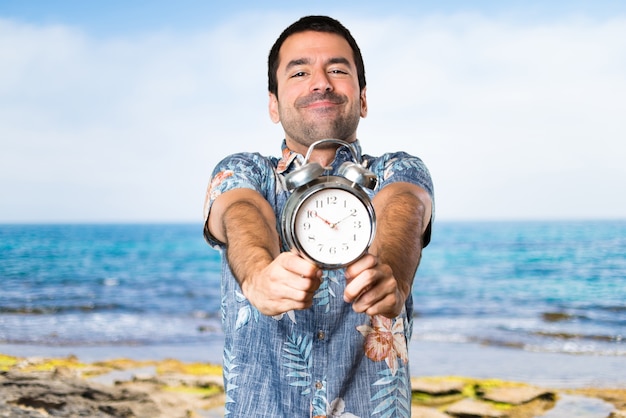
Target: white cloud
[107,129]
[514,120]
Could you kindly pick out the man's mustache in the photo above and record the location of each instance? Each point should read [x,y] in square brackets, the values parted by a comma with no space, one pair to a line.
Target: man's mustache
[319,97]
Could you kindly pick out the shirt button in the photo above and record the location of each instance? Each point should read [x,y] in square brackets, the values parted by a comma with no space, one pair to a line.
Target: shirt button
[318,385]
[321,335]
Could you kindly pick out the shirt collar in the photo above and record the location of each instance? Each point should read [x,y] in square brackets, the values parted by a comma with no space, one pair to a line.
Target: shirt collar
[290,157]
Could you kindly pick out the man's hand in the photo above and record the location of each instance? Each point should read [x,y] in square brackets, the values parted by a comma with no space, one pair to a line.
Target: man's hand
[373,289]
[274,283]
[379,283]
[287,283]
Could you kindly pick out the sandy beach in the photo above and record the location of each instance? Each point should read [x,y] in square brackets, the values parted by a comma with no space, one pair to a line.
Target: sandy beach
[427,359]
[449,380]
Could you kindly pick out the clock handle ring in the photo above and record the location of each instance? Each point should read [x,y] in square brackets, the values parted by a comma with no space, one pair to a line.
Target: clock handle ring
[355,156]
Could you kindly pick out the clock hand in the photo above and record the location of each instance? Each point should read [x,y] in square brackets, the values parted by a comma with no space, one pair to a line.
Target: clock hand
[338,222]
[332,225]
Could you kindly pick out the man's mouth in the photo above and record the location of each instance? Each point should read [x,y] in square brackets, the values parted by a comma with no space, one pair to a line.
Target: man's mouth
[316,101]
[320,104]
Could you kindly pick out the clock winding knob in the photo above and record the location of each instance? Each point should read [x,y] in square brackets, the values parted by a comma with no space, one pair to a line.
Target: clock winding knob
[358,174]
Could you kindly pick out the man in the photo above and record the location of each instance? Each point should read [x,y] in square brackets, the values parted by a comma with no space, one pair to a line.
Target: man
[301,341]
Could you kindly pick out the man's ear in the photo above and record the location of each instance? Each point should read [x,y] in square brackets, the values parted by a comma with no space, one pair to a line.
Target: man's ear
[273,108]
[363,103]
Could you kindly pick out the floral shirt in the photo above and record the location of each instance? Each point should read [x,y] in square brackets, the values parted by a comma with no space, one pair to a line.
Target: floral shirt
[325,361]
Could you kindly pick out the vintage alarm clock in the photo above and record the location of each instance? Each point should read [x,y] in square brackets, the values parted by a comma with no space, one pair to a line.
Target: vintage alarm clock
[329,219]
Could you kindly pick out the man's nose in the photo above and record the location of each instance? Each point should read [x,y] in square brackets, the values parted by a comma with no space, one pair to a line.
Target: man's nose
[320,82]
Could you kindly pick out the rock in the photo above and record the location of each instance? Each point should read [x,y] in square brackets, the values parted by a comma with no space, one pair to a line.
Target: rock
[8,411]
[61,396]
[437,387]
[177,379]
[557,316]
[64,372]
[424,412]
[144,377]
[470,408]
[614,414]
[517,395]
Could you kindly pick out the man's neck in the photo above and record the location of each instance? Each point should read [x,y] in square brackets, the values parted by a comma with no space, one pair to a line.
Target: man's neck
[323,154]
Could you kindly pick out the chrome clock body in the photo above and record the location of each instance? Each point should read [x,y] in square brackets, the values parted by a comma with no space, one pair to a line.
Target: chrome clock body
[329,219]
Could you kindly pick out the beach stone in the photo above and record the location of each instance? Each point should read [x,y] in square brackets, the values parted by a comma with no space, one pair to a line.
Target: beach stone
[143,377]
[470,408]
[8,411]
[614,414]
[436,387]
[54,394]
[425,412]
[557,316]
[173,379]
[517,395]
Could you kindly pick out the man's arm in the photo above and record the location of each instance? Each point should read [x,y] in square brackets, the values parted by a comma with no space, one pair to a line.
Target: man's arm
[381,282]
[273,282]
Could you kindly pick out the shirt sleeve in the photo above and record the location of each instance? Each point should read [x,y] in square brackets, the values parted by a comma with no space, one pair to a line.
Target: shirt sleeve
[243,170]
[403,167]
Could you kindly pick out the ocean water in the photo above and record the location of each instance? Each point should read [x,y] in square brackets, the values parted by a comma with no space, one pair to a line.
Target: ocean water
[556,287]
[538,286]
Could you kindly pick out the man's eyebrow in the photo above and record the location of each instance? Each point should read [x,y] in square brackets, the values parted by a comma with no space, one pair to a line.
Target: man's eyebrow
[339,60]
[296,62]
[305,61]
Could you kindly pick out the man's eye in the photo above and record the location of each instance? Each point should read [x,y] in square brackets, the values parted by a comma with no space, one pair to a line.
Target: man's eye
[299,74]
[337,72]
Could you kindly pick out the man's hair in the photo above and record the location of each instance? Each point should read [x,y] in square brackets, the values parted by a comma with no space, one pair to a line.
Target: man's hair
[316,24]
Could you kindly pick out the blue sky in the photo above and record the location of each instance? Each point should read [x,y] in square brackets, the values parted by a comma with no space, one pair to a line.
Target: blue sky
[118,110]
[117,17]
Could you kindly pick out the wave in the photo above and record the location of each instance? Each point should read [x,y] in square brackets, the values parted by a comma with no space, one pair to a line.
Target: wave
[54,310]
[561,316]
[566,346]
[53,341]
[576,336]
[95,308]
[613,316]
[576,349]
[527,335]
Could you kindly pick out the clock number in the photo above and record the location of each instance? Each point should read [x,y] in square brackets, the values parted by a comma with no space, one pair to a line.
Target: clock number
[330,226]
[331,250]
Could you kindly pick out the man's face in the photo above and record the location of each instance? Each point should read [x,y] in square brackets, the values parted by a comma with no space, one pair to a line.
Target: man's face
[318,90]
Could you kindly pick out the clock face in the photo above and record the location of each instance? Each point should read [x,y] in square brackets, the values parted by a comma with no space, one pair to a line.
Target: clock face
[333,226]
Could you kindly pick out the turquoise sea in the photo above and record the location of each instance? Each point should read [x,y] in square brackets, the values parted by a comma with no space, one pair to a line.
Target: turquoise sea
[549,287]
